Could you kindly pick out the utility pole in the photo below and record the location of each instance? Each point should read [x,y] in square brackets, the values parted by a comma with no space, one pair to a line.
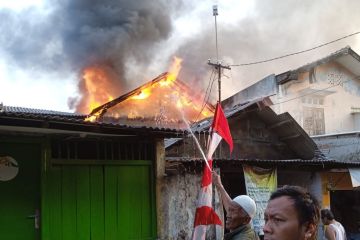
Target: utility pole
[217,64]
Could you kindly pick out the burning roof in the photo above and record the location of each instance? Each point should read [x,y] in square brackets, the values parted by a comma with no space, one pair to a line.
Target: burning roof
[164,101]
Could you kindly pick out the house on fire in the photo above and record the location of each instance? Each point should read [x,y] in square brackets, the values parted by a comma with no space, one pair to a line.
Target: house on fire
[164,101]
[62,177]
[70,176]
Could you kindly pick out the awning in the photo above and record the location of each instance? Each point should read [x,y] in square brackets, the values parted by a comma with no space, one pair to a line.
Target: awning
[355,176]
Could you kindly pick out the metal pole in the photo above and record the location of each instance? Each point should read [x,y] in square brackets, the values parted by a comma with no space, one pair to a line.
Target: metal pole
[215,13]
[217,65]
[216,37]
[219,82]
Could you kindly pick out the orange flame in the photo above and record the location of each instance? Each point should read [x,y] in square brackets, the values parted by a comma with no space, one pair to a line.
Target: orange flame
[174,70]
[143,94]
[162,100]
[97,85]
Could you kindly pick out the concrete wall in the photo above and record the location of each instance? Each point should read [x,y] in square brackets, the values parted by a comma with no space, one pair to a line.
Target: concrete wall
[176,213]
[176,197]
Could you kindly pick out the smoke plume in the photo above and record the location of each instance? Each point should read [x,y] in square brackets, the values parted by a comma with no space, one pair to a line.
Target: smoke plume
[136,39]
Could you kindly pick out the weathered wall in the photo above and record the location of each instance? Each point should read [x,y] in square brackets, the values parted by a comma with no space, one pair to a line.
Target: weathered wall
[176,215]
[178,204]
[176,197]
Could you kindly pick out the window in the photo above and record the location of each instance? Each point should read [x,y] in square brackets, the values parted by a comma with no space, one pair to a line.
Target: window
[312,100]
[314,123]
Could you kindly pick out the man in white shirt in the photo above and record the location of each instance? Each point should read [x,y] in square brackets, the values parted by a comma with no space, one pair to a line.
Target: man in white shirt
[333,229]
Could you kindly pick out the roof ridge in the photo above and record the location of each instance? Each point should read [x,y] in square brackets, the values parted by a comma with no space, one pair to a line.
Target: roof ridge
[342,51]
[19,109]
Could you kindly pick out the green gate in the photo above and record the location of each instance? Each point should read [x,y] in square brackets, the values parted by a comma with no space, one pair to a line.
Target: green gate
[99,202]
[19,188]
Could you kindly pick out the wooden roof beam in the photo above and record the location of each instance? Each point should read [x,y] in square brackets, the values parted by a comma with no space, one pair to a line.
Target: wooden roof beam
[279,124]
[296,135]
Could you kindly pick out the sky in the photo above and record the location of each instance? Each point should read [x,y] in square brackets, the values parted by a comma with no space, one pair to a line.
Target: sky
[45,44]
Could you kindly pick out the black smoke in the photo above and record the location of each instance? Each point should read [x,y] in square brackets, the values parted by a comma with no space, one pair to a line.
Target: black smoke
[128,37]
[71,35]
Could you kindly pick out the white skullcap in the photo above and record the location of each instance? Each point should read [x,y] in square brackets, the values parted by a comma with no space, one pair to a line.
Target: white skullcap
[247,203]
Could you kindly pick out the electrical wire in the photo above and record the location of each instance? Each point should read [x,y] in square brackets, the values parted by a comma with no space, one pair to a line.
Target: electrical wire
[295,53]
[207,93]
[208,89]
[205,96]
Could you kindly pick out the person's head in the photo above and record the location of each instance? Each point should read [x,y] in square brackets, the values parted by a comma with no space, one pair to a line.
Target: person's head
[326,216]
[241,210]
[292,213]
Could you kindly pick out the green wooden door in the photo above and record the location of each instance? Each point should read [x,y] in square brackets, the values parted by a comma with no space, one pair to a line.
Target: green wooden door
[99,202]
[20,196]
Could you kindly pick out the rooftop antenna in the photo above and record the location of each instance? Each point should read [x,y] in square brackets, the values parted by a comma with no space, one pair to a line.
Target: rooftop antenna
[217,64]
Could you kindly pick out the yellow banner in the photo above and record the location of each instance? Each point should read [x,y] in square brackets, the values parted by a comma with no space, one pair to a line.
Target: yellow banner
[260,183]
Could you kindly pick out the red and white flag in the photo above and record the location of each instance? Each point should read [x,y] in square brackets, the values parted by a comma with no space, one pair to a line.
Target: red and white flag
[205,214]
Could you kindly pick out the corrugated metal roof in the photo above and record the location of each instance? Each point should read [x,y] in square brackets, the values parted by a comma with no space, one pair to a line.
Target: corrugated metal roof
[288,130]
[206,123]
[13,109]
[356,133]
[28,117]
[273,162]
[343,147]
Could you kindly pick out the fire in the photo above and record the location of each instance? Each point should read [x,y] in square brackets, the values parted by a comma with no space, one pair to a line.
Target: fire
[166,82]
[173,71]
[143,94]
[163,100]
[92,118]
[98,84]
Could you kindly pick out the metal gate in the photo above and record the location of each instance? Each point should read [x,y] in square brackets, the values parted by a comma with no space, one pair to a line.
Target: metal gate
[99,199]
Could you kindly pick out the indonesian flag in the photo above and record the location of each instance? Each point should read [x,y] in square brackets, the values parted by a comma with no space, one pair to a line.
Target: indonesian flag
[205,214]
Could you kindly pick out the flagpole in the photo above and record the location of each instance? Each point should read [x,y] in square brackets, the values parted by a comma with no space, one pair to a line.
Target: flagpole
[219,130]
[196,141]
